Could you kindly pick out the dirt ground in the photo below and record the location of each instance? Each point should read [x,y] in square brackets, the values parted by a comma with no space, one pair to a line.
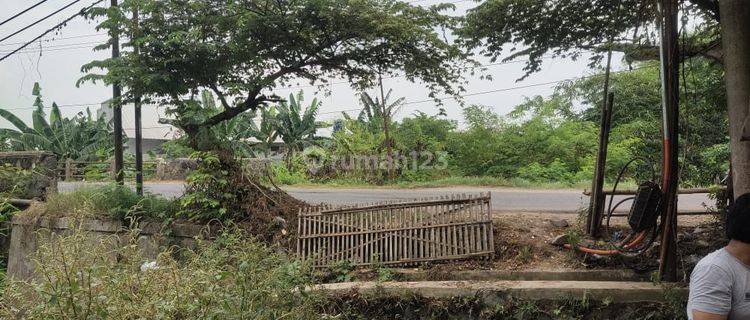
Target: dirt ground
[523,242]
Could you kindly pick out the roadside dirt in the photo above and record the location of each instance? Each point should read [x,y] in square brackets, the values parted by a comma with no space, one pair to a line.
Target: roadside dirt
[523,242]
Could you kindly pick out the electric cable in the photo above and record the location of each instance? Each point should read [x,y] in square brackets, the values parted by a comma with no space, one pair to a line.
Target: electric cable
[59,25]
[22,12]
[39,21]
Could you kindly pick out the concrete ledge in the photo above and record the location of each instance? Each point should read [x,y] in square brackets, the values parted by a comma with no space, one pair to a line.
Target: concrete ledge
[519,275]
[498,291]
[29,233]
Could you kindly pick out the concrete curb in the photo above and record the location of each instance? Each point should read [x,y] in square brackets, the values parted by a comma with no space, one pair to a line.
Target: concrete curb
[493,292]
[520,275]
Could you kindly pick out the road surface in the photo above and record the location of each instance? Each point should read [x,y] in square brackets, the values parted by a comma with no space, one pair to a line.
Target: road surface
[503,199]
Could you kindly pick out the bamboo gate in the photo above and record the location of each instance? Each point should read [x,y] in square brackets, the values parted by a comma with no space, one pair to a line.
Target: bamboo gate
[406,233]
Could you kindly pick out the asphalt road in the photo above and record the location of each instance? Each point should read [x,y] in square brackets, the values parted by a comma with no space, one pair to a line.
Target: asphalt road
[503,199]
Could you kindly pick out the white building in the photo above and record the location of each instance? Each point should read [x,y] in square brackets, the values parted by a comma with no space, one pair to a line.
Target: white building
[155,134]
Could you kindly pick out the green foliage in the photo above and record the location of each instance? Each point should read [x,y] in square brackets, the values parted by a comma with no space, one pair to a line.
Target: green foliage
[422,132]
[340,271]
[375,112]
[283,175]
[208,191]
[242,50]
[232,277]
[266,132]
[177,148]
[15,182]
[537,29]
[80,138]
[108,201]
[554,171]
[296,126]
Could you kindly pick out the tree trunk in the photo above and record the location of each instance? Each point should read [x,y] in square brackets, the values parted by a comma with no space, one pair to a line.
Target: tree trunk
[735,29]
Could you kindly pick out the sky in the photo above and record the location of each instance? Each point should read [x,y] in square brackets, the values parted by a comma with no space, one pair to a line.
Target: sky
[55,62]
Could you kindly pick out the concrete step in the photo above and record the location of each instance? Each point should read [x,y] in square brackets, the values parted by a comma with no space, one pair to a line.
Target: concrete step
[498,291]
[520,275]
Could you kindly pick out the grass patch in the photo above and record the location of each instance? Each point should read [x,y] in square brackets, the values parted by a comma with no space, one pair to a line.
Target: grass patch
[108,201]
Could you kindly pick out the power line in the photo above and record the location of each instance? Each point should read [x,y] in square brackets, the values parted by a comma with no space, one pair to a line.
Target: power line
[40,20]
[57,39]
[497,90]
[83,11]
[58,45]
[22,12]
[406,103]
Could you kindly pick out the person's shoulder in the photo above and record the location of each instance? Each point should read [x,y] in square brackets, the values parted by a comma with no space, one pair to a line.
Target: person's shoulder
[717,261]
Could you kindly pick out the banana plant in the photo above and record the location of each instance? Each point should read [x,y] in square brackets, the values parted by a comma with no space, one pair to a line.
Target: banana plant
[297,127]
[78,138]
[265,132]
[374,110]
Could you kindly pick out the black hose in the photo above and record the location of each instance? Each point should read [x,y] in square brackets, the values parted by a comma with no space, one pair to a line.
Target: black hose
[617,181]
[609,213]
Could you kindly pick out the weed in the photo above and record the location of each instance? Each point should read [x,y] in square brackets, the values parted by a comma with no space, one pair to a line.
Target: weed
[341,271]
[233,277]
[525,254]
[574,237]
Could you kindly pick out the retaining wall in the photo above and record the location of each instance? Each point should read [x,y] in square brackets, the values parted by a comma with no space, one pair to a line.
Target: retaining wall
[28,234]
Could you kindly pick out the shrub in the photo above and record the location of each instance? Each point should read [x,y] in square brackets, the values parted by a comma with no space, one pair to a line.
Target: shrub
[233,277]
[283,175]
[15,182]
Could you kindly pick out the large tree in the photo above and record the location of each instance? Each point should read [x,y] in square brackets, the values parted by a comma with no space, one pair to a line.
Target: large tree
[509,29]
[242,50]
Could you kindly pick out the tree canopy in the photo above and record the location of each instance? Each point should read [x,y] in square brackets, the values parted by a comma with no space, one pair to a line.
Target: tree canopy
[243,50]
[536,29]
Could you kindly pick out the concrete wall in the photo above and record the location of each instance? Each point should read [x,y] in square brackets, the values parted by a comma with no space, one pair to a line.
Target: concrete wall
[27,234]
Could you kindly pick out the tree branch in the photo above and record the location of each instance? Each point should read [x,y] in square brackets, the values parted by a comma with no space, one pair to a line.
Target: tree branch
[221,96]
[647,52]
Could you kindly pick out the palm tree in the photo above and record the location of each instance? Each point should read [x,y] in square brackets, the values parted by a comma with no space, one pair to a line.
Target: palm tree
[76,138]
[297,127]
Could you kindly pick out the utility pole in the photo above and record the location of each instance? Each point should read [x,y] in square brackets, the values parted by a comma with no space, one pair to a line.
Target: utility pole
[735,27]
[386,128]
[670,59]
[138,125]
[116,105]
[596,205]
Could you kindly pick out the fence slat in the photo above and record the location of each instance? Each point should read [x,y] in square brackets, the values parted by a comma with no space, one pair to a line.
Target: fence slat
[397,233]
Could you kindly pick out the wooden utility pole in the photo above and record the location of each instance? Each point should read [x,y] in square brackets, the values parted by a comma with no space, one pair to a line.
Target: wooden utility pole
[116,105]
[596,205]
[386,129]
[670,59]
[138,125]
[596,208]
[735,28]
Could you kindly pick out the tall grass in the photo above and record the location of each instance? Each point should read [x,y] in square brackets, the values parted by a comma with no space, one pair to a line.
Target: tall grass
[233,277]
[108,201]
